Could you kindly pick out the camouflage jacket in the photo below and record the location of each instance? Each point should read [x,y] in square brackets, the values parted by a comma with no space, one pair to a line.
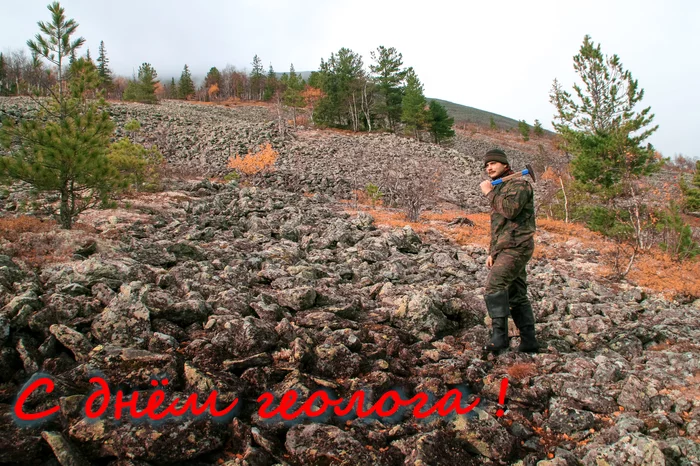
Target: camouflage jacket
[513,216]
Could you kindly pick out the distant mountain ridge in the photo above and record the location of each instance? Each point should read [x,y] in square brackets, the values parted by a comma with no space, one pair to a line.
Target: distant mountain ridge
[475,115]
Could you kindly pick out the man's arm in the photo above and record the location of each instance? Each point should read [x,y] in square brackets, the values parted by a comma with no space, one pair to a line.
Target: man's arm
[511,199]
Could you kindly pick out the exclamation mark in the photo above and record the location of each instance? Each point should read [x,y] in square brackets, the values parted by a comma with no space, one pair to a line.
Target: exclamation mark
[502,397]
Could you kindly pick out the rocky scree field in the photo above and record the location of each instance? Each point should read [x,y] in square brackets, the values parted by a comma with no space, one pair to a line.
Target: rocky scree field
[246,290]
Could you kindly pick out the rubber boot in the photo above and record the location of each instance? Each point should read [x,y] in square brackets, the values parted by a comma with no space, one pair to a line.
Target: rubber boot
[497,305]
[524,319]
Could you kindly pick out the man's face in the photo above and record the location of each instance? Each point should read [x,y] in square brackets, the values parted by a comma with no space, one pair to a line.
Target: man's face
[495,169]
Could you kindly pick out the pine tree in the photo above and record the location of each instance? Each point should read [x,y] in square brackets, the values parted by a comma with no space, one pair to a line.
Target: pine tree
[271,84]
[172,92]
[600,127]
[414,114]
[524,129]
[147,76]
[440,122]
[143,89]
[537,129]
[54,43]
[186,86]
[604,132]
[213,77]
[294,86]
[256,79]
[691,194]
[388,77]
[492,124]
[63,150]
[103,67]
[341,80]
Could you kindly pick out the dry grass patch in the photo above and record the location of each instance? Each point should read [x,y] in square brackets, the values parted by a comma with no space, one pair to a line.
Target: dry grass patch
[37,242]
[522,370]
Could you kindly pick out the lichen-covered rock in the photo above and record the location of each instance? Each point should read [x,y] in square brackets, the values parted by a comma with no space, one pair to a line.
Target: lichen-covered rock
[129,366]
[174,441]
[73,340]
[298,299]
[10,273]
[20,445]
[418,315]
[435,448]
[126,321]
[483,435]
[63,450]
[405,240]
[633,450]
[336,361]
[324,444]
[236,338]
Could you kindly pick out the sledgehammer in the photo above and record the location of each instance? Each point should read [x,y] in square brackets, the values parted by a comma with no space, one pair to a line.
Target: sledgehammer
[528,171]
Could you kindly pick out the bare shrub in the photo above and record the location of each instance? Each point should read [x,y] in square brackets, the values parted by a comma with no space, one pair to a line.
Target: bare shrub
[411,185]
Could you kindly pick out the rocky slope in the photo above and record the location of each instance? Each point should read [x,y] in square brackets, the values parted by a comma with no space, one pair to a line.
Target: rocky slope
[247,290]
[250,290]
[198,140]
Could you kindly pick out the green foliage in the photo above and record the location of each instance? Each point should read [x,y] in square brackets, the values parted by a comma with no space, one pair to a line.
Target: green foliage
[691,194]
[186,85]
[54,42]
[293,86]
[374,193]
[440,123]
[172,91]
[611,222]
[232,177]
[388,77]
[143,89]
[63,150]
[141,167]
[257,77]
[213,77]
[132,126]
[600,126]
[537,129]
[492,123]
[341,79]
[678,236]
[524,129]
[414,114]
[271,84]
[103,67]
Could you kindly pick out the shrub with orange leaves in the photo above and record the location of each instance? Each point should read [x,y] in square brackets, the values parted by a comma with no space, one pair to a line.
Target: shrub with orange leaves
[253,163]
[213,91]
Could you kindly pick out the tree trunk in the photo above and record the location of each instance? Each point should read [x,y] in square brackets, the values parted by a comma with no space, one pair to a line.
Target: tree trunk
[65,216]
[566,201]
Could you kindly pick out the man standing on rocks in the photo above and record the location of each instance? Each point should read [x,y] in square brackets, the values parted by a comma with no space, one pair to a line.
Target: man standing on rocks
[512,245]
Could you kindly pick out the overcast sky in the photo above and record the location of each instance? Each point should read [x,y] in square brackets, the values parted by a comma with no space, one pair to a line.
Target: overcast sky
[497,56]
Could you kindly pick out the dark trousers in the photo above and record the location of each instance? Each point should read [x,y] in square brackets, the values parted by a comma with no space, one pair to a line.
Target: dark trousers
[509,273]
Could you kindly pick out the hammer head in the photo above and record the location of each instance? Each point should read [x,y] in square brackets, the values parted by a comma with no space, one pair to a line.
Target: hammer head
[531,172]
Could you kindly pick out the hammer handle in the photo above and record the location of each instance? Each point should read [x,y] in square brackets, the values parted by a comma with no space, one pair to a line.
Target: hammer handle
[509,177]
